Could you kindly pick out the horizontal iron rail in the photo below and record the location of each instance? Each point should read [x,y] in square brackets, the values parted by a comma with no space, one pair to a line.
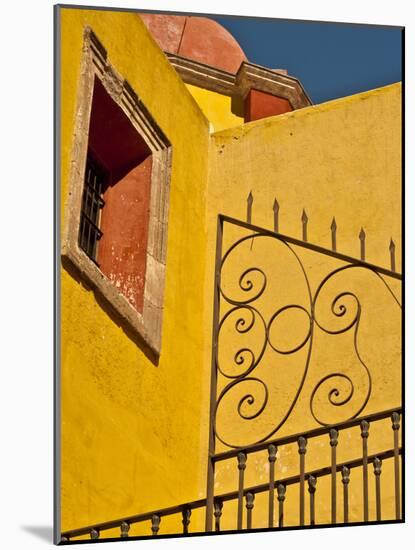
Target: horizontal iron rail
[308,435]
[314,247]
[224,497]
[146,516]
[320,472]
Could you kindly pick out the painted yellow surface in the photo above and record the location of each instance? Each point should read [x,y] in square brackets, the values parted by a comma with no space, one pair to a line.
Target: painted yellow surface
[130,428]
[135,434]
[216,107]
[341,159]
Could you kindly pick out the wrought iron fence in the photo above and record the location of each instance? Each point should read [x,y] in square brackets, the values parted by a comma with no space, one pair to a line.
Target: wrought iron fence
[278,490]
[247,363]
[346,395]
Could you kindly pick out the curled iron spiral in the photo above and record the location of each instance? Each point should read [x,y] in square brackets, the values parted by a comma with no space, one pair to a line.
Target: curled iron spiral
[245,283]
[243,326]
[338,387]
[340,310]
[248,399]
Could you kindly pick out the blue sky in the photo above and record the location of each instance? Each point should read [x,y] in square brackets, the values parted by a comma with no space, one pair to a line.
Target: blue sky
[331,59]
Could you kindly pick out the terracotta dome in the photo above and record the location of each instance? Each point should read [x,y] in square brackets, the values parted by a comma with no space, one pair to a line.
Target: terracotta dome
[198,38]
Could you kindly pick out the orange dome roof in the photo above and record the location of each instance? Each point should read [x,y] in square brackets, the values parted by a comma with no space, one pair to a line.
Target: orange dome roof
[198,38]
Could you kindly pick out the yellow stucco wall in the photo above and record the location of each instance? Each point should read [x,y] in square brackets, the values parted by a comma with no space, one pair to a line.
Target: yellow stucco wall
[134,435]
[131,429]
[341,159]
[216,107]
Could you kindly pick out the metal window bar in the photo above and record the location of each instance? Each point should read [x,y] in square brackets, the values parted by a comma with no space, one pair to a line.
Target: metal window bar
[92,204]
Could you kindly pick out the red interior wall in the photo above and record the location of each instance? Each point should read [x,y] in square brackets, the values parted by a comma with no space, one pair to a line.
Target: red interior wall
[124,223]
[119,148]
[261,105]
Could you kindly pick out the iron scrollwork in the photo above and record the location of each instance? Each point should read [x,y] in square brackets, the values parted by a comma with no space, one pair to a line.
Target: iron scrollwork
[244,315]
[340,309]
[247,317]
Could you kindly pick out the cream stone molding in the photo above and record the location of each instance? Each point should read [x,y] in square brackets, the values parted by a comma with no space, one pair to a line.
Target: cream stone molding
[204,76]
[148,325]
[249,76]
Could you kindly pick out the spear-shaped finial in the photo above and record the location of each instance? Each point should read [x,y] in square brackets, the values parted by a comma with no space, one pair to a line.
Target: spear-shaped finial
[362,237]
[333,228]
[304,221]
[392,253]
[249,201]
[276,209]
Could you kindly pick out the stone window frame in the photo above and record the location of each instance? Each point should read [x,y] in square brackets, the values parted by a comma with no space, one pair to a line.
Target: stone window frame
[147,326]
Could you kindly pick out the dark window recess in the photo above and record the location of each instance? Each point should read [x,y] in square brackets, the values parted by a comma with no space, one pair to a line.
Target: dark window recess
[92,202]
